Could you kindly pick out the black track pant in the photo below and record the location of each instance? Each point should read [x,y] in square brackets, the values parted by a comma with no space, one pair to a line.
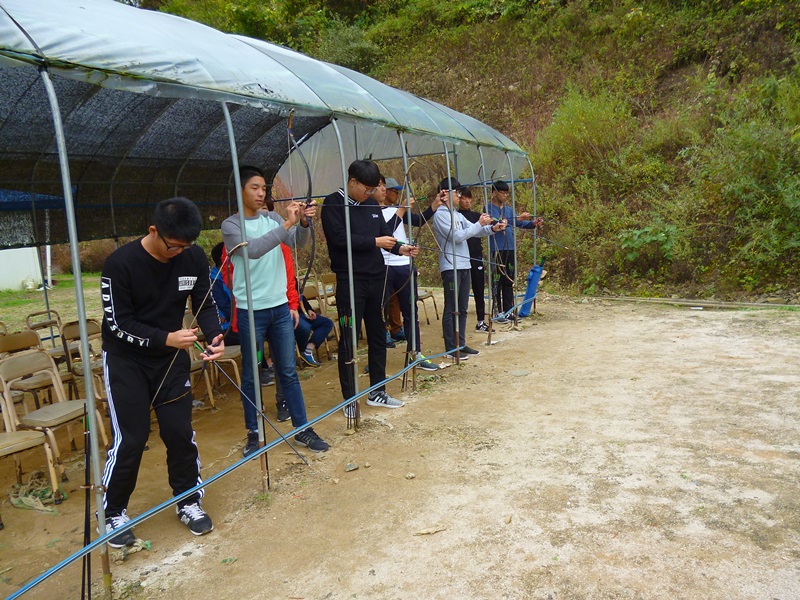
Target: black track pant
[505,272]
[478,276]
[369,308]
[131,385]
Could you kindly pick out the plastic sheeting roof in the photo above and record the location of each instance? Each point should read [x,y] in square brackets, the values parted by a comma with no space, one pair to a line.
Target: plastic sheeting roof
[140,93]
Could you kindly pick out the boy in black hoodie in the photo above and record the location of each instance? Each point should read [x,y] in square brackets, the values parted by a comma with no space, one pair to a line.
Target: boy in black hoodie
[144,288]
[369,232]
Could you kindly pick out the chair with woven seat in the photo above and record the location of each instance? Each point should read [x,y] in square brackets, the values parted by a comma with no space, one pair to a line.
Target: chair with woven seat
[47,325]
[328,288]
[71,337]
[23,341]
[230,355]
[311,294]
[18,342]
[46,419]
[428,295]
[13,442]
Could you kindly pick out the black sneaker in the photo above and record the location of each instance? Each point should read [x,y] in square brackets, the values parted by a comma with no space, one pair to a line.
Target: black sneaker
[389,341]
[482,327]
[267,377]
[283,412]
[501,319]
[311,440]
[452,354]
[424,363]
[252,444]
[195,518]
[125,538]
[468,350]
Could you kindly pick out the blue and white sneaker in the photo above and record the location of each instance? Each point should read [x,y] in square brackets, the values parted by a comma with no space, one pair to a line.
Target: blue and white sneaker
[308,358]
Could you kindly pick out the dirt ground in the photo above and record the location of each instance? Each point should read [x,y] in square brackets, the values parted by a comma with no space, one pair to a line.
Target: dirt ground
[606,450]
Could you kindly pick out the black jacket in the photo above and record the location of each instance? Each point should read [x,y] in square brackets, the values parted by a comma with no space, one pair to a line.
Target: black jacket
[366,224]
[475,244]
[144,299]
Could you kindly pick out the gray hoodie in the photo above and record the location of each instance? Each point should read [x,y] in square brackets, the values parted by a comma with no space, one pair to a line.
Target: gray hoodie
[462,231]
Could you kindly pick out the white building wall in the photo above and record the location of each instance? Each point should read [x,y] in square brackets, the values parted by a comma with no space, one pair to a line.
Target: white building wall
[18,265]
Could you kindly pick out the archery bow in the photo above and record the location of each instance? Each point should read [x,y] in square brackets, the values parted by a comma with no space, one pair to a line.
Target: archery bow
[293,144]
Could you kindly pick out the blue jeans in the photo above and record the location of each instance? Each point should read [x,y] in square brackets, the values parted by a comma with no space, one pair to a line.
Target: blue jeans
[277,327]
[399,282]
[317,330]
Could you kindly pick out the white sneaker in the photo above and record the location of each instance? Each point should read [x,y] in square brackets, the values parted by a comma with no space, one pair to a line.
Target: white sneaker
[385,400]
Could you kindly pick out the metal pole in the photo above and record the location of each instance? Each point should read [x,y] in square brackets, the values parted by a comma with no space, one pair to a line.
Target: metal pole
[514,233]
[453,243]
[72,228]
[455,161]
[47,253]
[248,290]
[412,281]
[489,280]
[535,213]
[353,332]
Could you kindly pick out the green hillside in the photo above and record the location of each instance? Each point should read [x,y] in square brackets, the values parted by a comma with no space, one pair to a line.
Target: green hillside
[664,135]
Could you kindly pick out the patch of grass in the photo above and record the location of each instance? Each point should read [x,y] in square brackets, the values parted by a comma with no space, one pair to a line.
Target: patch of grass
[263,498]
[16,305]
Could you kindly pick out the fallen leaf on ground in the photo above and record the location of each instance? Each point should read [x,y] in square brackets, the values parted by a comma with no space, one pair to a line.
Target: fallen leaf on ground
[431,530]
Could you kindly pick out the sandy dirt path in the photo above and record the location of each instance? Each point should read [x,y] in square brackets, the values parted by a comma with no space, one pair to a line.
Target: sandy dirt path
[607,450]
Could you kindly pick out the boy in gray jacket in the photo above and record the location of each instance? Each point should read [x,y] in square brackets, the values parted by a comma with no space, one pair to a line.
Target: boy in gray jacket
[451,229]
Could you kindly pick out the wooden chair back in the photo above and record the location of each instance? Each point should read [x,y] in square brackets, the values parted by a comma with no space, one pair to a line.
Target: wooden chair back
[311,294]
[12,343]
[25,364]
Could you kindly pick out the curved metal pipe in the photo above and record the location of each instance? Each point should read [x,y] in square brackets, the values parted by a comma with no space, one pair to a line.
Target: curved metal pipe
[455,269]
[248,284]
[88,377]
[353,332]
[514,212]
[412,281]
[489,271]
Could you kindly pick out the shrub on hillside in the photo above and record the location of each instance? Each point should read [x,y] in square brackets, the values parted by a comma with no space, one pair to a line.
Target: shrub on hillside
[92,256]
[348,46]
[586,132]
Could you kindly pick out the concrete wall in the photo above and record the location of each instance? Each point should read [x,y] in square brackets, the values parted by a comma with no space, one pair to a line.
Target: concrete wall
[17,265]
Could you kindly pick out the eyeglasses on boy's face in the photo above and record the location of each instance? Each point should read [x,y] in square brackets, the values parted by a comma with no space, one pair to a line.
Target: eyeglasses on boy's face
[174,247]
[367,190]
